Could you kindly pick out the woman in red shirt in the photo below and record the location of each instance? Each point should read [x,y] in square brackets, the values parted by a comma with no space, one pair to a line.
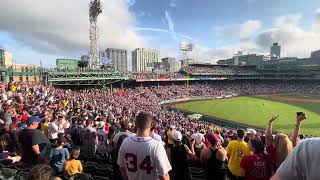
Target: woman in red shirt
[257,166]
[280,146]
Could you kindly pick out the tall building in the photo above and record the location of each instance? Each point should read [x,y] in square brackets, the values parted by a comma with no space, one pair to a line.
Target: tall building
[143,59]
[102,55]
[248,59]
[1,57]
[8,59]
[275,50]
[119,58]
[174,66]
[187,61]
[84,58]
[315,54]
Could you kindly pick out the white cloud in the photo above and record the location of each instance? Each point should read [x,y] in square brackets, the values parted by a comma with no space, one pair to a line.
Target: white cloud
[242,31]
[295,41]
[316,25]
[248,28]
[173,3]
[62,27]
[211,55]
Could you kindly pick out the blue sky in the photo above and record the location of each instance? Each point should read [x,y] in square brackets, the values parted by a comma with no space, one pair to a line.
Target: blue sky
[33,30]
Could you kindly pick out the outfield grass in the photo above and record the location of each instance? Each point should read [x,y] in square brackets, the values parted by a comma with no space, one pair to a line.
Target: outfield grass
[256,111]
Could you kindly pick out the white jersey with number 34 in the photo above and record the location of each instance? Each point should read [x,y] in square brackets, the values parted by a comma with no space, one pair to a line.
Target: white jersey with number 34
[144,158]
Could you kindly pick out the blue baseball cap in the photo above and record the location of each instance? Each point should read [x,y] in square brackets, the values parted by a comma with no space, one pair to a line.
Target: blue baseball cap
[34,119]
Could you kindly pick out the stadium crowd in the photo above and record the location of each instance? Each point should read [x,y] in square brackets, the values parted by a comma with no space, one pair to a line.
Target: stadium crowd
[152,75]
[49,129]
[219,70]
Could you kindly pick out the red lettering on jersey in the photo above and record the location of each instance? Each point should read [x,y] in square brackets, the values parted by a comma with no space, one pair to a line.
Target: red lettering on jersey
[131,160]
[146,165]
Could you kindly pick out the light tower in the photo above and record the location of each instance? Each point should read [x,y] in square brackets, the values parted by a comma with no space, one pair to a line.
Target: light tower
[95,10]
[185,47]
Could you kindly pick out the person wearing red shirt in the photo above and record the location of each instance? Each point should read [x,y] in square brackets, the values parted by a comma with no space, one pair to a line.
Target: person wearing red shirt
[257,166]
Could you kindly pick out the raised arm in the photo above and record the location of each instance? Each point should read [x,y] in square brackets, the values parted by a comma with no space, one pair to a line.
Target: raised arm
[269,130]
[296,129]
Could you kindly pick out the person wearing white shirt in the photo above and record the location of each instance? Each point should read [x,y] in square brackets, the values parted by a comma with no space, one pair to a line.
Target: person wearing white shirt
[155,136]
[53,130]
[140,156]
[199,141]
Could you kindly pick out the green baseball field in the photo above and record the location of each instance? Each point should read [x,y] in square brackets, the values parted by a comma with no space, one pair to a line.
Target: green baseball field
[257,110]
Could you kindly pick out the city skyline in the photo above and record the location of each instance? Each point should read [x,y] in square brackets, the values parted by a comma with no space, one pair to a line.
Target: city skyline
[46,31]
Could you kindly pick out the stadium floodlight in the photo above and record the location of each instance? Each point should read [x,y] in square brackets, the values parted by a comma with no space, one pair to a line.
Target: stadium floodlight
[95,9]
[185,47]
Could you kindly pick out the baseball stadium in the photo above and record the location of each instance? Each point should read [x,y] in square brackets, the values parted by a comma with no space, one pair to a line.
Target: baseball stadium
[266,99]
[241,96]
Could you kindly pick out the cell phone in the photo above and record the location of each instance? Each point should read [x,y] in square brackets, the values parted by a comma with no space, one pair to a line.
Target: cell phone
[299,113]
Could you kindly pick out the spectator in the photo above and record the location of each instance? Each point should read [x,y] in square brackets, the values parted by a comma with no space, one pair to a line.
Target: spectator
[3,149]
[154,135]
[280,147]
[257,166]
[124,130]
[169,136]
[7,116]
[89,139]
[199,141]
[302,163]
[44,127]
[146,157]
[73,166]
[299,118]
[178,156]
[34,145]
[251,134]
[53,130]
[214,158]
[115,152]
[102,138]
[42,172]
[236,150]
[59,155]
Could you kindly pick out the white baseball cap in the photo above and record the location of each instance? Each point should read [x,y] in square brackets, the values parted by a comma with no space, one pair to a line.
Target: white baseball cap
[251,131]
[176,135]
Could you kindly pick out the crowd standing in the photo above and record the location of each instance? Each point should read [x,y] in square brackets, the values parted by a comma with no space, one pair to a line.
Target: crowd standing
[219,70]
[49,128]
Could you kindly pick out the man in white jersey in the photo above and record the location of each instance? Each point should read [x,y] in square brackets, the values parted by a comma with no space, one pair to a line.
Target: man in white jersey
[142,157]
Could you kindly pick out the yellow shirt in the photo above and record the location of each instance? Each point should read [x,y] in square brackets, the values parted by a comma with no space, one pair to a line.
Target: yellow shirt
[236,151]
[73,167]
[13,88]
[65,103]
[44,128]
[169,136]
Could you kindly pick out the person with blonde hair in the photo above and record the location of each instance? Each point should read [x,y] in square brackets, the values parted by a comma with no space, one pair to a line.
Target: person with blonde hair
[280,146]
